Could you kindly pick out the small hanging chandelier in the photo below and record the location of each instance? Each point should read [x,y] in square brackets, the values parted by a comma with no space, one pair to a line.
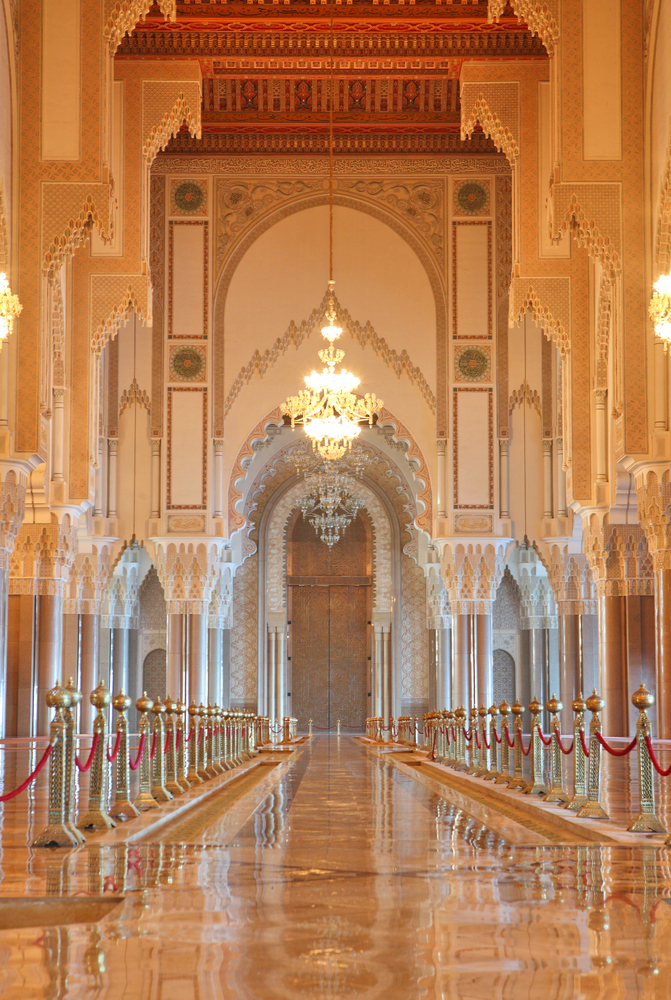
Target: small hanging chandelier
[10,308]
[329,409]
[330,505]
[660,309]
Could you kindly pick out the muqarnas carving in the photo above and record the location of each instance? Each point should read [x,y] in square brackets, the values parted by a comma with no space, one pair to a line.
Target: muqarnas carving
[471,198]
[187,364]
[472,364]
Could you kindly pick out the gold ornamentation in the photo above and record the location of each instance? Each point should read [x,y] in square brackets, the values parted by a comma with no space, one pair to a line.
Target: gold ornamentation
[10,308]
[660,309]
[646,821]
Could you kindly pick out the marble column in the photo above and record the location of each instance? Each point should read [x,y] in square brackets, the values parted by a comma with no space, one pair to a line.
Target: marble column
[90,667]
[613,664]
[57,432]
[504,475]
[440,479]
[174,663]
[119,680]
[198,650]
[570,664]
[112,477]
[484,660]
[386,674]
[215,668]
[663,651]
[462,654]
[155,502]
[443,697]
[601,436]
[226,667]
[271,707]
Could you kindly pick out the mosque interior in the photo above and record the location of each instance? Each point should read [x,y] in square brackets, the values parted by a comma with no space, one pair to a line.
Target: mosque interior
[335,451]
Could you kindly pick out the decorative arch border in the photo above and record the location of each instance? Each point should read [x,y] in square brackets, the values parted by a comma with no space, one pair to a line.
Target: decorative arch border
[276,547]
[360,204]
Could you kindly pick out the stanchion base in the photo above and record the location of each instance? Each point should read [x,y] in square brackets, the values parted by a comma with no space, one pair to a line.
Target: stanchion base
[96,820]
[492,776]
[576,803]
[183,784]
[647,823]
[504,779]
[538,788]
[57,835]
[160,794]
[592,810]
[556,795]
[518,783]
[124,810]
[144,802]
[174,788]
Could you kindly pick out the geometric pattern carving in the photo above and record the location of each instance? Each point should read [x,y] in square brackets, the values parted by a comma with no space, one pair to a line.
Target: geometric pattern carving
[69,212]
[414,633]
[525,394]
[618,556]
[113,298]
[244,633]
[166,104]
[12,507]
[663,241]
[549,302]
[496,106]
[120,18]
[294,336]
[592,212]
[654,512]
[541,16]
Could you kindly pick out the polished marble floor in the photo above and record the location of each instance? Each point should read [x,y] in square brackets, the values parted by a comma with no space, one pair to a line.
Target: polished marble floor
[350,880]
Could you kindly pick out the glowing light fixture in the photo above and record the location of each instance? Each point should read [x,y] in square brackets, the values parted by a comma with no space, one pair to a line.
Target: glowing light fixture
[10,308]
[328,408]
[660,309]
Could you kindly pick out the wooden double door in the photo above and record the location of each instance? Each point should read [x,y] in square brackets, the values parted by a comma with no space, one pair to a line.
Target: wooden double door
[329,611]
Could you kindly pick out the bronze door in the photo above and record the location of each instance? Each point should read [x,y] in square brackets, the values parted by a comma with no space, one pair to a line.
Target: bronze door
[329,655]
[329,594]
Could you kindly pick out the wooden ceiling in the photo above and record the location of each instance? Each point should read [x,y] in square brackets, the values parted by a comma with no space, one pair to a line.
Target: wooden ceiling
[265,67]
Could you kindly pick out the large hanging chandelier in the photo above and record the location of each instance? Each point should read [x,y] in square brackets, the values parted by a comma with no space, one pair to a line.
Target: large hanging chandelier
[10,308]
[660,309]
[328,408]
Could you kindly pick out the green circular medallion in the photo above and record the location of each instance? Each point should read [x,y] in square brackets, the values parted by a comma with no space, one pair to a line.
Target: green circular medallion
[473,364]
[472,198]
[189,197]
[187,364]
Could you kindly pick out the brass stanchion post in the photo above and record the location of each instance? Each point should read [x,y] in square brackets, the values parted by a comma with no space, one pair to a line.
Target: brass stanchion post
[122,807]
[647,820]
[506,775]
[448,722]
[201,745]
[536,786]
[484,767]
[518,780]
[172,784]
[97,817]
[158,790]
[180,733]
[557,793]
[475,754]
[57,833]
[70,749]
[461,763]
[144,799]
[579,798]
[493,772]
[193,777]
[593,808]
[310,727]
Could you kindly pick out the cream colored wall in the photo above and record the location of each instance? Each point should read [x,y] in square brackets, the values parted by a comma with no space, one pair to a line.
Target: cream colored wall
[283,277]
[6,144]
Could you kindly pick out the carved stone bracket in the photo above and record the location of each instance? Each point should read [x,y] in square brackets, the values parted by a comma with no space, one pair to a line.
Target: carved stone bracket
[472,571]
[496,106]
[166,104]
[549,302]
[121,16]
[69,212]
[593,214]
[113,299]
[654,513]
[618,556]
[42,558]
[541,16]
[87,586]
[188,572]
[13,485]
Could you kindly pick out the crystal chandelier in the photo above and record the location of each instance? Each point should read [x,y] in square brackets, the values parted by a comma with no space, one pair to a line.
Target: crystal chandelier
[660,309]
[328,408]
[330,504]
[10,308]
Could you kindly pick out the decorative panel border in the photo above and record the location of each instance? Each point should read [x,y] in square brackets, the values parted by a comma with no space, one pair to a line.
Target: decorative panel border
[490,446]
[490,289]
[168,491]
[206,259]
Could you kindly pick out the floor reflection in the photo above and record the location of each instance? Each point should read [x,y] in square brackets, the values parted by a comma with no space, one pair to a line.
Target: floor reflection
[351,880]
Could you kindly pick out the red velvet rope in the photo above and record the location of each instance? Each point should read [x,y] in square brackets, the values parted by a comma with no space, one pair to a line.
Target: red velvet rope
[468,736]
[134,766]
[585,748]
[546,743]
[454,737]
[190,734]
[528,749]
[497,737]
[511,743]
[31,777]
[200,736]
[655,763]
[611,751]
[477,739]
[167,743]
[561,745]
[94,747]
[117,743]
[153,746]
[488,746]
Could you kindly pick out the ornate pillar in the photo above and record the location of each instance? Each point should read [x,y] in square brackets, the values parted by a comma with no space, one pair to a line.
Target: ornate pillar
[601,436]
[155,502]
[462,658]
[175,659]
[57,431]
[440,477]
[484,658]
[111,477]
[443,697]
[89,625]
[98,510]
[13,484]
[504,473]
[198,656]
[572,586]
[562,510]
[547,477]
[218,478]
